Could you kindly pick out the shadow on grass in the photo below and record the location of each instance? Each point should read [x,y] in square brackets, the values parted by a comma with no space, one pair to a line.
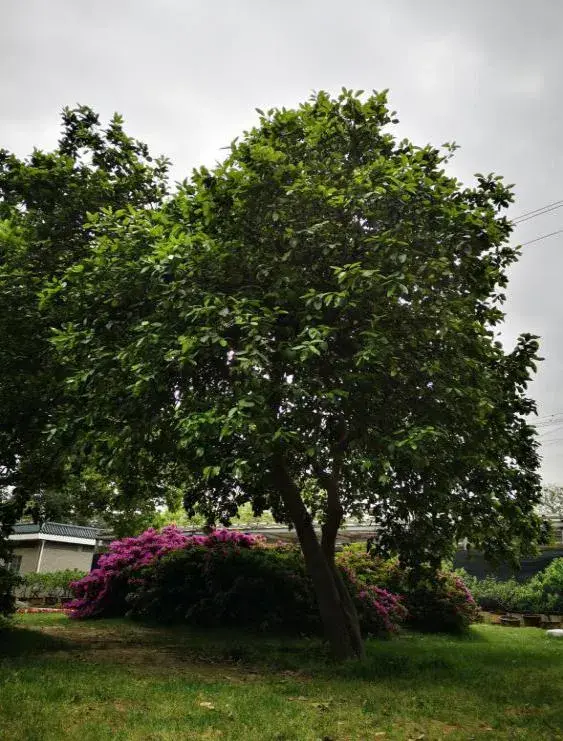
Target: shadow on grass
[438,659]
[16,641]
[484,663]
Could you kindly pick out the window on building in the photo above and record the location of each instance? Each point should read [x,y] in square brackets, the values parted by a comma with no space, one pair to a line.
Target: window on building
[16,563]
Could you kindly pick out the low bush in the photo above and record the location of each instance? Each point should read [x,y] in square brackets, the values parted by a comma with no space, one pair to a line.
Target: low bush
[228,578]
[440,603]
[549,583]
[500,596]
[543,593]
[53,586]
[205,585]
[103,592]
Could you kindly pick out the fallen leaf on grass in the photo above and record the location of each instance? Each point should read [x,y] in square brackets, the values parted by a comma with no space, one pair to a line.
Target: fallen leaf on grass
[324,705]
[321,705]
[208,705]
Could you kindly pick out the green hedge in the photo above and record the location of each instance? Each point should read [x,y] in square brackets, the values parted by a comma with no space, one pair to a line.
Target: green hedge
[52,586]
[542,593]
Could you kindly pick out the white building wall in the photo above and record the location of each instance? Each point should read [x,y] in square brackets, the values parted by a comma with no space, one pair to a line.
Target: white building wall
[62,556]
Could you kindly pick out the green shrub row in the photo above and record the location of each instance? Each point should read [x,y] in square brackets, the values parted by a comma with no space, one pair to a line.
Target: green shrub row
[52,585]
[543,593]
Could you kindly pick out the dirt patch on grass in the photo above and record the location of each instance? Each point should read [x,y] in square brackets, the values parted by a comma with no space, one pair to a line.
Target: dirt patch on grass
[154,652]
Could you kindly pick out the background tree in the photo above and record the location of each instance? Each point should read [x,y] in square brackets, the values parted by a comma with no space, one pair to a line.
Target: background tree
[310,327]
[551,502]
[44,203]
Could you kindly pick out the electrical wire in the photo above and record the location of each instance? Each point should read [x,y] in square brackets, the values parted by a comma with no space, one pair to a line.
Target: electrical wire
[544,236]
[537,212]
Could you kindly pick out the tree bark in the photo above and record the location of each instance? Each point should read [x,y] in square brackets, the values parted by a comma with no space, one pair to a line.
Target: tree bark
[334,516]
[336,622]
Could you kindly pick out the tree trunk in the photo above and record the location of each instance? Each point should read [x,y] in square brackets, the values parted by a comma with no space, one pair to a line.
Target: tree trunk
[334,516]
[332,607]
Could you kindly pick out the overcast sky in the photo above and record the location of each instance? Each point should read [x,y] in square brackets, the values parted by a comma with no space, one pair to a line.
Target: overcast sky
[188,74]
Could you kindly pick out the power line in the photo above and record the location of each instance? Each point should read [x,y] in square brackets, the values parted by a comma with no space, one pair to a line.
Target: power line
[522,219]
[553,431]
[546,421]
[537,211]
[544,236]
[544,417]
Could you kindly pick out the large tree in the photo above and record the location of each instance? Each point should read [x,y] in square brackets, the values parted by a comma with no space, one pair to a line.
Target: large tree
[45,200]
[311,327]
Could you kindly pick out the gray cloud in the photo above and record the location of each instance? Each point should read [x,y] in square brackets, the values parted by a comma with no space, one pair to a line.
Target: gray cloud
[187,75]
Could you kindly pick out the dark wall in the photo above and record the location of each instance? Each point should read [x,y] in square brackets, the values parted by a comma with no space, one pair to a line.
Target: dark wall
[474,563]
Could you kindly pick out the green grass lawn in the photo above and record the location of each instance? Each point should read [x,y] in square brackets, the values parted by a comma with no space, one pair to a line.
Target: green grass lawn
[92,681]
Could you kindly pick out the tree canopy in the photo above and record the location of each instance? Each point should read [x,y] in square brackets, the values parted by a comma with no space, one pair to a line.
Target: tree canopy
[309,327]
[45,200]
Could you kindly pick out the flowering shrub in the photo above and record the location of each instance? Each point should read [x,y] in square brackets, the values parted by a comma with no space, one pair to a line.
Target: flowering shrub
[102,592]
[261,588]
[438,603]
[380,611]
[225,578]
[266,588]
[441,604]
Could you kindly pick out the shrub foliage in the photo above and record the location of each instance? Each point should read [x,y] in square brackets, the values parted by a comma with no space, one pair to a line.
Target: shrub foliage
[8,582]
[232,579]
[543,593]
[52,585]
[440,602]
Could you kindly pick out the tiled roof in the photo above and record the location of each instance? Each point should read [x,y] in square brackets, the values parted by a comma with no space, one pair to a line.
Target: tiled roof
[55,528]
